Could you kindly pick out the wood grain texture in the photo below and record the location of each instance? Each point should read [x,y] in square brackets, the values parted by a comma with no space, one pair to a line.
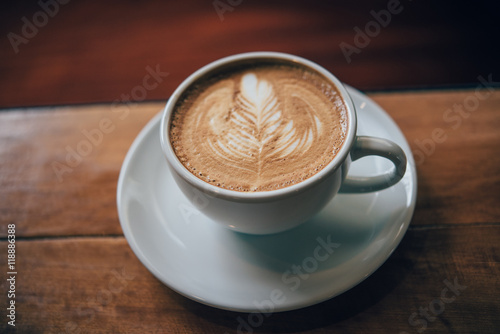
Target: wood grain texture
[458,170]
[77,274]
[82,199]
[97,285]
[94,51]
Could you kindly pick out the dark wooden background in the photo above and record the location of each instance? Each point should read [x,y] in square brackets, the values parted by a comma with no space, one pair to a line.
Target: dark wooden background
[95,51]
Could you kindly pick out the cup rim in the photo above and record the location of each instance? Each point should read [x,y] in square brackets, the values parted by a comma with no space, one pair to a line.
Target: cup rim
[258,196]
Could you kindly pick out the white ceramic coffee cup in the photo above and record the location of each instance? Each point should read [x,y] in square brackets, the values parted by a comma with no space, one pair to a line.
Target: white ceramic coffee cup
[278,210]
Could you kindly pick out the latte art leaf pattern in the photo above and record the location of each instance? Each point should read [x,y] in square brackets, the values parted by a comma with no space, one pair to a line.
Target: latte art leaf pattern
[258,127]
[261,128]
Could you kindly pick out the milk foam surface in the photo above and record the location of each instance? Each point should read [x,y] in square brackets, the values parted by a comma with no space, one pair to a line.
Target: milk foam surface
[258,128]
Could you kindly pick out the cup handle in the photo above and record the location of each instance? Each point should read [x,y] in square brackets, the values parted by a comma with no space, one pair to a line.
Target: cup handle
[363,146]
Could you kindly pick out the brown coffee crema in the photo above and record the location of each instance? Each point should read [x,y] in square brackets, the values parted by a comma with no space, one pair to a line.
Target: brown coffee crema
[258,128]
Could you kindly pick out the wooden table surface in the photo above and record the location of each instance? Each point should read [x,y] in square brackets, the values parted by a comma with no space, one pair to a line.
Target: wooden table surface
[75,272]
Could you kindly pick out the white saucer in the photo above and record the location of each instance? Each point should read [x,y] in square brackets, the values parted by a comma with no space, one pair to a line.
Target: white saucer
[205,262]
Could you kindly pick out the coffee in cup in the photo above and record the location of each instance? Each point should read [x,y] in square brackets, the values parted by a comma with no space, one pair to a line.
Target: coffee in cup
[258,126]
[260,142]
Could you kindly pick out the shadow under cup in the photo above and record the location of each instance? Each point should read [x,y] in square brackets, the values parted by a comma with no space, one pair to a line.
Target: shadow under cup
[265,212]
